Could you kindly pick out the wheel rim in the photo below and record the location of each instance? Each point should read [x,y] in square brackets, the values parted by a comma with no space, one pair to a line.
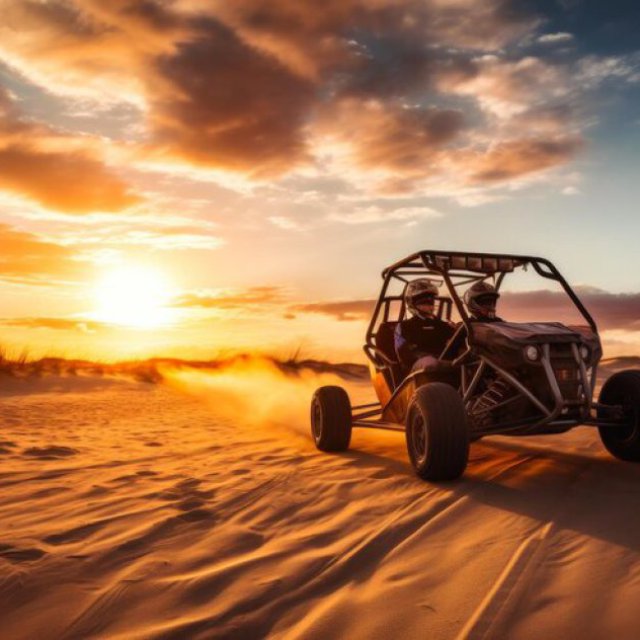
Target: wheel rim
[419,440]
[316,419]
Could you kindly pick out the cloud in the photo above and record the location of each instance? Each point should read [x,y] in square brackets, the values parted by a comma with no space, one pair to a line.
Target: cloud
[504,87]
[251,297]
[70,182]
[406,92]
[374,213]
[57,324]
[595,70]
[152,232]
[485,25]
[26,257]
[87,48]
[235,85]
[387,147]
[555,38]
[355,37]
[284,222]
[343,311]
[220,102]
[390,136]
[610,310]
[518,158]
[66,179]
[548,120]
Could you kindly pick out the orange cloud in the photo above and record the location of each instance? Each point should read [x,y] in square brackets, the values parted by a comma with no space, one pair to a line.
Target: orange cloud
[24,255]
[391,136]
[517,158]
[342,310]
[68,180]
[253,296]
[219,102]
[87,47]
[57,324]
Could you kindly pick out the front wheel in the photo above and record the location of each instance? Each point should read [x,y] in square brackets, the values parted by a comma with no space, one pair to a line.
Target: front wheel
[331,419]
[437,432]
[622,388]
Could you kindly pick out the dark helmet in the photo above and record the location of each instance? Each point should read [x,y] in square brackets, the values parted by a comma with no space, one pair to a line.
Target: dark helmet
[481,299]
[418,291]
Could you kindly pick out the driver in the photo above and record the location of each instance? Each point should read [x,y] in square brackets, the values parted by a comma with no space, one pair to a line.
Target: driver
[419,340]
[481,299]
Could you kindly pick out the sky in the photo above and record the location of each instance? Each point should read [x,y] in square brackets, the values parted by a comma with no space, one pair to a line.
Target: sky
[191,177]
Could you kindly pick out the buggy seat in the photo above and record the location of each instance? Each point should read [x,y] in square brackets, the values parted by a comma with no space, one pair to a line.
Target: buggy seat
[385,344]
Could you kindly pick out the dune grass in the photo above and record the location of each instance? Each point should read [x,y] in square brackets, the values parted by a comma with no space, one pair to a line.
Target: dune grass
[22,365]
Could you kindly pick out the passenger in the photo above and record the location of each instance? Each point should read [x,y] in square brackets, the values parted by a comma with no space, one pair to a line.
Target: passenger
[419,340]
[481,299]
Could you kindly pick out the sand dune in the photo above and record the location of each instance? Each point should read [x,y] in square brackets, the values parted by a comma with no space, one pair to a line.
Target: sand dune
[199,508]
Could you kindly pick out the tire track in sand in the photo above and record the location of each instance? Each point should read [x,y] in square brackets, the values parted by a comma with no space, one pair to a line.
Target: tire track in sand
[496,607]
[508,588]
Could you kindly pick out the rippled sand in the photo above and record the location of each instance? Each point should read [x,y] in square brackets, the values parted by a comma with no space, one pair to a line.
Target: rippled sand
[201,509]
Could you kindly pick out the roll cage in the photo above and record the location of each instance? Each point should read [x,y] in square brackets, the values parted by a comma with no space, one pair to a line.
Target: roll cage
[455,269]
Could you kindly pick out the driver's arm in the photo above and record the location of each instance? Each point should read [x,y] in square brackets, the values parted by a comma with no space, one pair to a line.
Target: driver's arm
[406,350]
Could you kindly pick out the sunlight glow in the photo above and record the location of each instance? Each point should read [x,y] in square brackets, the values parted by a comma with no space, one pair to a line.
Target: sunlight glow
[134,296]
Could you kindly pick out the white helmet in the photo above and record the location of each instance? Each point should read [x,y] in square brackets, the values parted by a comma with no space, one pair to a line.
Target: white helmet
[418,291]
[481,299]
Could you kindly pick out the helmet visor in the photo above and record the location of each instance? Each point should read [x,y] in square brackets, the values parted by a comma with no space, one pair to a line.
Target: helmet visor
[424,298]
[487,301]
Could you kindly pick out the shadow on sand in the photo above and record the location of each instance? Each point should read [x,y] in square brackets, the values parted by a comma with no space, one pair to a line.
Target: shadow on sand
[590,494]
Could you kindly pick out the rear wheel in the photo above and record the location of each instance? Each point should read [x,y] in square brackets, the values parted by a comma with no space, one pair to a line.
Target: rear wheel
[437,432]
[331,419]
[623,389]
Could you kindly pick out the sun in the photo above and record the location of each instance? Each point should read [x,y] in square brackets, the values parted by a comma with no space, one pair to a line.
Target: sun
[134,296]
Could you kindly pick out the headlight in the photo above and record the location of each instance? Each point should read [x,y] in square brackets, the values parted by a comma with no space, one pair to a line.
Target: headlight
[532,353]
[584,352]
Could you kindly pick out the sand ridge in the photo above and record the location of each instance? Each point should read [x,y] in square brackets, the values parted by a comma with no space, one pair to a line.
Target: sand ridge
[133,510]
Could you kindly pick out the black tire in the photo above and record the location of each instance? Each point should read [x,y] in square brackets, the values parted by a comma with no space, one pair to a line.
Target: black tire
[437,432]
[331,419]
[622,388]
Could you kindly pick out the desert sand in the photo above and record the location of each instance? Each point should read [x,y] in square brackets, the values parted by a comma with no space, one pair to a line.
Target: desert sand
[199,508]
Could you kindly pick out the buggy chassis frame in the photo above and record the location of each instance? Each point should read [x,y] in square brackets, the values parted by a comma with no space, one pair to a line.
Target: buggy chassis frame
[457,269]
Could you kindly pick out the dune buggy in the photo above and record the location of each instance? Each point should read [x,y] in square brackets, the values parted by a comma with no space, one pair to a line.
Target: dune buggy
[491,378]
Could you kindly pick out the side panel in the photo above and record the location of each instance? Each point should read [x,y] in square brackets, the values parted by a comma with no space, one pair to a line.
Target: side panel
[380,385]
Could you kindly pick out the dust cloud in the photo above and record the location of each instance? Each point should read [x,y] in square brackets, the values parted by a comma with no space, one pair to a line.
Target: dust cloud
[257,391]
